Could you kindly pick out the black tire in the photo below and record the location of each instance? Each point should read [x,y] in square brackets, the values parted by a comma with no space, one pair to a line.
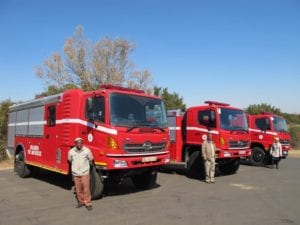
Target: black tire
[96,183]
[20,166]
[258,157]
[145,180]
[230,168]
[195,166]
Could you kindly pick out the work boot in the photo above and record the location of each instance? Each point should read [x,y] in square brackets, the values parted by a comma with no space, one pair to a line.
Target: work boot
[79,205]
[89,208]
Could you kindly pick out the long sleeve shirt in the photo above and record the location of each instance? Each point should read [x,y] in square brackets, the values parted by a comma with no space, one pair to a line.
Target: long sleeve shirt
[276,150]
[208,150]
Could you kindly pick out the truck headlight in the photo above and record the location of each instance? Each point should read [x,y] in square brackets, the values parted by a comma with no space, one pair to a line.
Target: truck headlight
[120,164]
[227,154]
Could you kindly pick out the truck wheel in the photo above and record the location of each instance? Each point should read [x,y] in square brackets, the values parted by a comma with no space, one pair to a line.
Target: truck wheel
[96,183]
[145,180]
[195,166]
[257,157]
[20,166]
[230,168]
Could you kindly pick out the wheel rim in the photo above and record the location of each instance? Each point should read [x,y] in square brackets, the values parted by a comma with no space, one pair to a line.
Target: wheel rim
[258,156]
[19,161]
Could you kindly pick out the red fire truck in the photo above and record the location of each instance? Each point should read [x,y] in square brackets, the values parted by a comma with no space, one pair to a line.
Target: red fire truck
[228,126]
[263,129]
[125,129]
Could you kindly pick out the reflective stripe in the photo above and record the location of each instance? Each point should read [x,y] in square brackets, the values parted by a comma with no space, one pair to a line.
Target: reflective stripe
[203,130]
[27,123]
[174,128]
[260,131]
[73,121]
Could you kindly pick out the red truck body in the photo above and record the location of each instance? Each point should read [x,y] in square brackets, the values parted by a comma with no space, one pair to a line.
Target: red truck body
[228,126]
[125,129]
[263,129]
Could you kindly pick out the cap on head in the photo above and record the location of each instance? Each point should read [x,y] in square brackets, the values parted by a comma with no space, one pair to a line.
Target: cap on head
[276,138]
[78,139]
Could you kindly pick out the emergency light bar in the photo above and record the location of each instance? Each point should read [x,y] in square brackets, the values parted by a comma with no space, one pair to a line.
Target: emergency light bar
[216,103]
[115,87]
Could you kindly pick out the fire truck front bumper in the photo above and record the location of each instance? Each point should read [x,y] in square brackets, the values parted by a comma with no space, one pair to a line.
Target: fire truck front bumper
[132,161]
[233,153]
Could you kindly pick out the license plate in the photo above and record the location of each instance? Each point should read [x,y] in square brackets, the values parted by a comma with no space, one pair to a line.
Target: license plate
[285,152]
[242,152]
[149,159]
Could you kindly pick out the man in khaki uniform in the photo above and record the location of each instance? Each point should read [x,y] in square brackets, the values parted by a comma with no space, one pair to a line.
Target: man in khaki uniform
[208,154]
[80,158]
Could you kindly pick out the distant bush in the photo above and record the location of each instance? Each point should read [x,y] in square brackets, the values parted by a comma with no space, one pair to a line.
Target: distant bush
[295,135]
[3,154]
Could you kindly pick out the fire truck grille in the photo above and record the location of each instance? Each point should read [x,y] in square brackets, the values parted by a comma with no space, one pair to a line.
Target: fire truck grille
[238,144]
[284,142]
[145,147]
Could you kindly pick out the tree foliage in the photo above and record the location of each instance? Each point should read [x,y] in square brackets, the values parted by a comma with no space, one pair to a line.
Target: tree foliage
[172,100]
[87,65]
[263,107]
[4,107]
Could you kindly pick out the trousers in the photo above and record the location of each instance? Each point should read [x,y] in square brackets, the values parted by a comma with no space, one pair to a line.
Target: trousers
[83,192]
[210,170]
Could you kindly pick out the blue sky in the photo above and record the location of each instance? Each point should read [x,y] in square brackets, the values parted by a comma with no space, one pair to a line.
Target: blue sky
[237,51]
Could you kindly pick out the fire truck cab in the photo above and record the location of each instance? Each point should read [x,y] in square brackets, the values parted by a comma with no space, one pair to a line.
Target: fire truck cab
[229,129]
[263,129]
[125,129]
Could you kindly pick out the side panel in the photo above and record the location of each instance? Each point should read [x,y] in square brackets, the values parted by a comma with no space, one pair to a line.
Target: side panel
[36,121]
[11,131]
[22,122]
[175,148]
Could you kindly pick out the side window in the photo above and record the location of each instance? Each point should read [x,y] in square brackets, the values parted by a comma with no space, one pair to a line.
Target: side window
[51,115]
[263,124]
[95,109]
[207,118]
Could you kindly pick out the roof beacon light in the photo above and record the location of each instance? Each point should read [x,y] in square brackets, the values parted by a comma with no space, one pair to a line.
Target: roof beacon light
[216,103]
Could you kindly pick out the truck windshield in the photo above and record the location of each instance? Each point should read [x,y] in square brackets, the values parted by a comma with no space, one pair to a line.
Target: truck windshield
[137,111]
[233,119]
[279,124]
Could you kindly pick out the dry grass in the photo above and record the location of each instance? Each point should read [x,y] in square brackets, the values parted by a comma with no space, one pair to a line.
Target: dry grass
[6,164]
[294,153]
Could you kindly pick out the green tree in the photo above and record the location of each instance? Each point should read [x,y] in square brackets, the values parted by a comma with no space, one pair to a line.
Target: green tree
[87,65]
[263,107]
[4,107]
[52,90]
[172,100]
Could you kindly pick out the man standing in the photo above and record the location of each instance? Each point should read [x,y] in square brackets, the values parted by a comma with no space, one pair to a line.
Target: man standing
[80,158]
[208,154]
[276,152]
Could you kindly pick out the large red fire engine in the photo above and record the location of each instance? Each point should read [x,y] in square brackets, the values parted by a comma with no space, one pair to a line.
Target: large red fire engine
[263,129]
[228,126]
[125,129]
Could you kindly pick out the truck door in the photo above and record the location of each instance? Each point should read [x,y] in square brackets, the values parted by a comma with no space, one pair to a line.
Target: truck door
[206,120]
[50,140]
[264,125]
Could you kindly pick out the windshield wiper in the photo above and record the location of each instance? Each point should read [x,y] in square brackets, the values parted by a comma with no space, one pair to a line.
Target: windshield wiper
[240,129]
[131,128]
[159,128]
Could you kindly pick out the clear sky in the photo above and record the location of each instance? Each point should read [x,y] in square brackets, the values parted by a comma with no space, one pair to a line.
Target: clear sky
[236,51]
